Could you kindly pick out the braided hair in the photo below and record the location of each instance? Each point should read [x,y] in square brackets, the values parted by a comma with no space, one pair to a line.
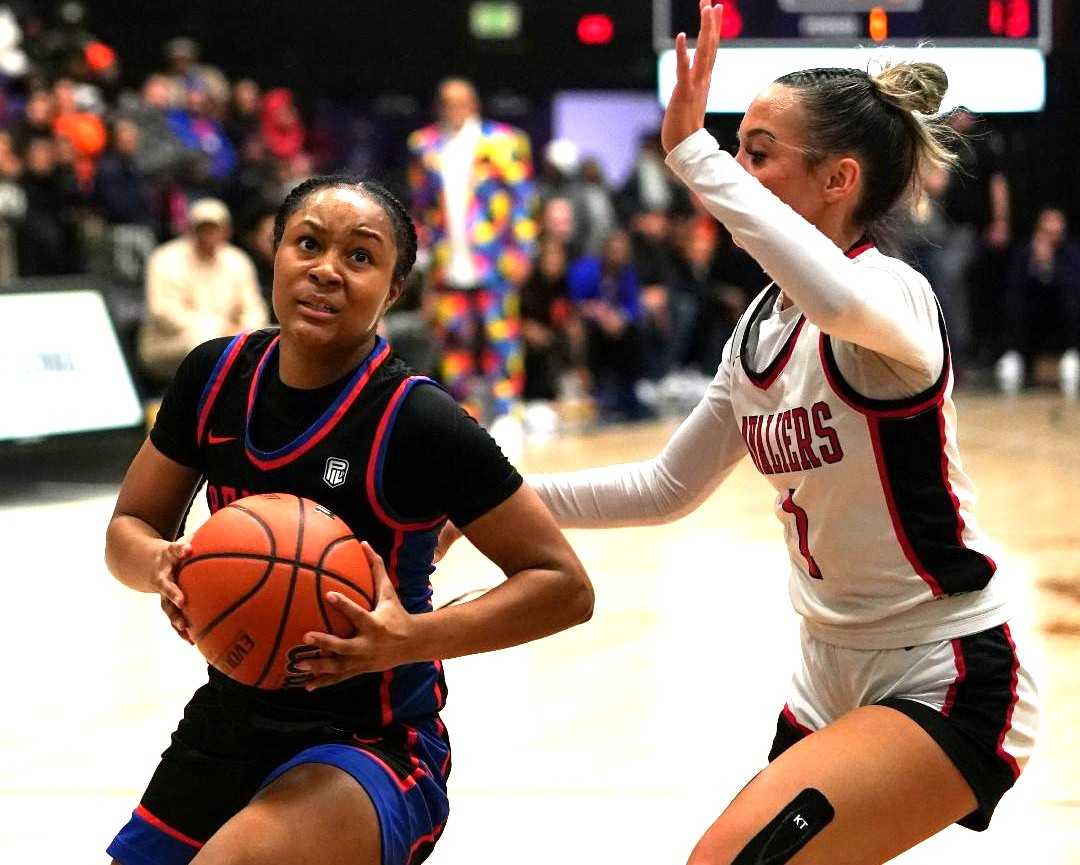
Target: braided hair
[403,228]
[889,120]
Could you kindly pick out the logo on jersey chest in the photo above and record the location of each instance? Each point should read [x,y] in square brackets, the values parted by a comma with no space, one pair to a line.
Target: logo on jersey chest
[797,439]
[335,472]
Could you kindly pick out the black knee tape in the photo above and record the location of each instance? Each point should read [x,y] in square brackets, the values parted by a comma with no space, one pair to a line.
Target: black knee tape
[790,831]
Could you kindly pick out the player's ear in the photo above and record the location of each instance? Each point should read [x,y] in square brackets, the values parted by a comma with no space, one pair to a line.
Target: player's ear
[397,288]
[843,178]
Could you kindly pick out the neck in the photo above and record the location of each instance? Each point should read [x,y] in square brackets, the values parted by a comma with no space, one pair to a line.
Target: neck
[302,367]
[840,230]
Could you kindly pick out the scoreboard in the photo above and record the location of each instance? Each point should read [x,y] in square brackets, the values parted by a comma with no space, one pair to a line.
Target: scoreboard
[992,50]
[982,23]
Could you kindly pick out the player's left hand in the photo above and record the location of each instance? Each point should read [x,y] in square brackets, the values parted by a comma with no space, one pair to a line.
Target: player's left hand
[383,635]
[685,112]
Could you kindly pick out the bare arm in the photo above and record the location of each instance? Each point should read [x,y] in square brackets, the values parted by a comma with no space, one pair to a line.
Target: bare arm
[546,591]
[139,547]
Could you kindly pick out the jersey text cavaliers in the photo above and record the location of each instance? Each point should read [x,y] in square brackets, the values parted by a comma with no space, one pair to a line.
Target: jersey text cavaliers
[796,439]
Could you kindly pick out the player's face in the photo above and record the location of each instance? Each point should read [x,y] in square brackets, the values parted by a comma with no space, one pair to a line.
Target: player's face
[334,270]
[772,147]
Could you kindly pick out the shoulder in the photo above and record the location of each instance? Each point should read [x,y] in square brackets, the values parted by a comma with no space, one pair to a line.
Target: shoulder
[170,250]
[235,256]
[426,408]
[906,277]
[420,139]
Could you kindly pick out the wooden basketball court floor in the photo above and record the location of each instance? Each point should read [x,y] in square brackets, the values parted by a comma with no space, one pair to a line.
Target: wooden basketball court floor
[618,741]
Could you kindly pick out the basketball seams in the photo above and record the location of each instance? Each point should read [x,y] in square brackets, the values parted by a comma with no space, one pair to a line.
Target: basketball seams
[228,611]
[258,557]
[320,570]
[287,606]
[264,567]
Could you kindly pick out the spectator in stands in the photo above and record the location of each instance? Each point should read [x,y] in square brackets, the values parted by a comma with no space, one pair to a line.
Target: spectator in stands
[197,129]
[198,287]
[651,188]
[550,328]
[280,126]
[607,293]
[242,120]
[601,217]
[1043,304]
[160,154]
[12,208]
[472,201]
[78,119]
[977,203]
[37,120]
[127,200]
[48,237]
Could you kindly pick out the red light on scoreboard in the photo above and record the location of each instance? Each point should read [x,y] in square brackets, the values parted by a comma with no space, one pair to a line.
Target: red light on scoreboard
[731,20]
[1010,18]
[879,24]
[595,29]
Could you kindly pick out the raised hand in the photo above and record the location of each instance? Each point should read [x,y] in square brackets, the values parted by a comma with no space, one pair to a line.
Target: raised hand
[686,111]
[382,638]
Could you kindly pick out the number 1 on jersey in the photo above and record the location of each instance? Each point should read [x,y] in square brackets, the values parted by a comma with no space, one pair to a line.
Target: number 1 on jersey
[802,527]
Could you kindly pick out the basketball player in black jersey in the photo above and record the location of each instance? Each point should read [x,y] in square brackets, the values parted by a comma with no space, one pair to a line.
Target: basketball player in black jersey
[351,768]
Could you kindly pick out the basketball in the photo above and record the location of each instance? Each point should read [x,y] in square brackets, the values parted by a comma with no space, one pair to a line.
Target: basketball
[256,583]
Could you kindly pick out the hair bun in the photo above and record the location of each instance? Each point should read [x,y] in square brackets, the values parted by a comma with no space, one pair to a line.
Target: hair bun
[912,86]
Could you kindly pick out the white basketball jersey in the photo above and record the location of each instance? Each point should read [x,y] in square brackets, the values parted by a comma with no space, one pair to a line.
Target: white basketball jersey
[876,508]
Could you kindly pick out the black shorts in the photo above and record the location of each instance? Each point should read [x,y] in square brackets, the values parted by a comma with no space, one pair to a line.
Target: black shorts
[220,758]
[971,694]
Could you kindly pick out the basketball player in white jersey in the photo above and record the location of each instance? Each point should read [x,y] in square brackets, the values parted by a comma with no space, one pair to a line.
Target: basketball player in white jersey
[912,708]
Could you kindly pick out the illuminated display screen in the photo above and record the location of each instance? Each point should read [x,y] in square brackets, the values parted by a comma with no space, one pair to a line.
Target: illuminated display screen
[900,22]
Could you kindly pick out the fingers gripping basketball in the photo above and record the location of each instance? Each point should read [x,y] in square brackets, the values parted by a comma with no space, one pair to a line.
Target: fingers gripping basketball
[256,583]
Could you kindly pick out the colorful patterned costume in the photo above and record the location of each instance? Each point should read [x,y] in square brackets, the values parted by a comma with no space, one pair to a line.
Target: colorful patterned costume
[479,328]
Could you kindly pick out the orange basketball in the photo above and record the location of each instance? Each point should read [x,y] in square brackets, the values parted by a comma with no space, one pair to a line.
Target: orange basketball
[256,583]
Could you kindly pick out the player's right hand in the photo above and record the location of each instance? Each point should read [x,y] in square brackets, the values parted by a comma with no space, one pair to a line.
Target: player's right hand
[168,561]
[447,536]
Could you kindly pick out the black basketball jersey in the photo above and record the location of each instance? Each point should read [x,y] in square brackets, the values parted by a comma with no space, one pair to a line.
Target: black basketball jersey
[339,460]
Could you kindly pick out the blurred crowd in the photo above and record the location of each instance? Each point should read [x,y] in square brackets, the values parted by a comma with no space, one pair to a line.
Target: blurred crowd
[627,293]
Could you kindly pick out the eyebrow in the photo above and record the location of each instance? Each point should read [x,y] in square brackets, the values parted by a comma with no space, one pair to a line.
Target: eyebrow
[359,229]
[756,131]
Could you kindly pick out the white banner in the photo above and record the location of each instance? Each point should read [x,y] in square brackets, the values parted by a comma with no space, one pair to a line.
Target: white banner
[61,370]
[985,80]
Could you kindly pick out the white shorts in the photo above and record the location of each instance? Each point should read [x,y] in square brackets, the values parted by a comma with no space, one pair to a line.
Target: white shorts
[971,694]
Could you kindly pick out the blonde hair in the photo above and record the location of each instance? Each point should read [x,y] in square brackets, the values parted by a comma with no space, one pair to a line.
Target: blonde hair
[889,120]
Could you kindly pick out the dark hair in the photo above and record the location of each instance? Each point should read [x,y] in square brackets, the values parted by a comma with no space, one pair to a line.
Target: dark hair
[888,120]
[404,230]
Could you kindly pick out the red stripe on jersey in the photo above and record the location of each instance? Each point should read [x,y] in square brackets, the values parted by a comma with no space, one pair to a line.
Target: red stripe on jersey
[961,674]
[430,838]
[143,814]
[1014,697]
[388,675]
[859,249]
[215,389]
[894,513]
[374,481]
[935,393]
[327,427]
[402,784]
